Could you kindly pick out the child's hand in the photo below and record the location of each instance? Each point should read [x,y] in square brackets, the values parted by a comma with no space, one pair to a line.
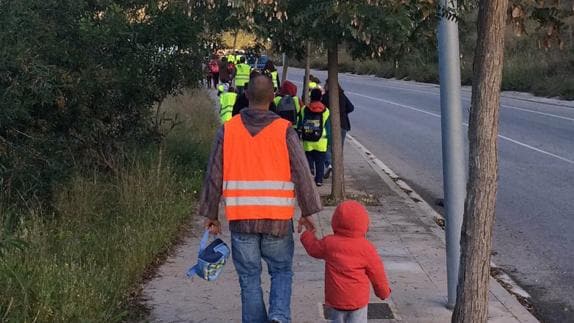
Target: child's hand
[307,222]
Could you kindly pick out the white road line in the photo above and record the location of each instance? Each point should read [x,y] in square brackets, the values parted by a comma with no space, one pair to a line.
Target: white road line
[412,90]
[502,105]
[468,100]
[466,124]
[530,111]
[538,112]
[395,103]
[536,149]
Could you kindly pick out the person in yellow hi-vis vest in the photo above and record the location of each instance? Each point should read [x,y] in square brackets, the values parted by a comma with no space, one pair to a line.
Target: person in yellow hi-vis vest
[315,132]
[242,74]
[287,104]
[226,103]
[272,72]
[314,83]
[231,58]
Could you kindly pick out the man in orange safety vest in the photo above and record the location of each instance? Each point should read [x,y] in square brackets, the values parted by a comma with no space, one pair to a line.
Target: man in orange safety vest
[259,169]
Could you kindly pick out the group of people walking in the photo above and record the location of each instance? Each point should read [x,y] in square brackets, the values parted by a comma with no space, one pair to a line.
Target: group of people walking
[232,69]
[311,121]
[260,169]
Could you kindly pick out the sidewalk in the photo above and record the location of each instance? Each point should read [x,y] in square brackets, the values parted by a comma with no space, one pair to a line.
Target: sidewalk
[408,240]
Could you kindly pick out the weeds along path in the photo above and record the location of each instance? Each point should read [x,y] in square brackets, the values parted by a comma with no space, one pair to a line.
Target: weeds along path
[83,260]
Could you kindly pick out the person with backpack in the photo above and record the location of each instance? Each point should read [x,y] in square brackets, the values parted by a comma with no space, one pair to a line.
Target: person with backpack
[314,83]
[288,105]
[224,75]
[214,70]
[226,102]
[232,70]
[315,130]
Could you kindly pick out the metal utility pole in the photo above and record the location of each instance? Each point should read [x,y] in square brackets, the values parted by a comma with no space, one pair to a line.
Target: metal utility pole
[453,158]
[285,67]
[307,72]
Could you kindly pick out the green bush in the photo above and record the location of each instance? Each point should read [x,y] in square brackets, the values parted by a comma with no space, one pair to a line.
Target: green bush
[81,261]
[369,67]
[540,72]
[78,80]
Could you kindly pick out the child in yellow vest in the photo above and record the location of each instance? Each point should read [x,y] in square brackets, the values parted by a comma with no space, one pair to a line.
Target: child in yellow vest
[315,129]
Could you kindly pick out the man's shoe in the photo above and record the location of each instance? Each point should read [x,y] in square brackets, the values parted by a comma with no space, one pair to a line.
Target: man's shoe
[328,172]
[319,184]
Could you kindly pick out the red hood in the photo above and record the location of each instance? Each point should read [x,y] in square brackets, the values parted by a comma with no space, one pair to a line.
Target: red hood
[317,106]
[288,88]
[351,219]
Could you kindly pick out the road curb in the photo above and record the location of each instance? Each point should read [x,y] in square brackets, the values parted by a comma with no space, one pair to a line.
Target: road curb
[504,285]
[377,164]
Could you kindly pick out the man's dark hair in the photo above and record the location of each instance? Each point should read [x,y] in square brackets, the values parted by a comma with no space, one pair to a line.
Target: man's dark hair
[269,66]
[242,59]
[254,73]
[316,95]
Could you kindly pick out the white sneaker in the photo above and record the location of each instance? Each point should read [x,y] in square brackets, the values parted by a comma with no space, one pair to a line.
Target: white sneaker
[328,172]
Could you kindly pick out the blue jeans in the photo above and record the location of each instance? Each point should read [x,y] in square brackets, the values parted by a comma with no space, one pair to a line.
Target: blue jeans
[328,160]
[247,251]
[356,316]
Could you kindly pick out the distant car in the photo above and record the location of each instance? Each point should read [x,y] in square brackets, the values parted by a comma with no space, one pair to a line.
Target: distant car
[251,60]
[260,63]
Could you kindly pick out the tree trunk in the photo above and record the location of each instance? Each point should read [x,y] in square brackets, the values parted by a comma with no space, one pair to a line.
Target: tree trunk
[235,42]
[307,72]
[476,238]
[285,68]
[338,189]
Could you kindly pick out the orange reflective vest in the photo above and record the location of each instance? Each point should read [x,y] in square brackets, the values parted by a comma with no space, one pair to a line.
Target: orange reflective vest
[257,172]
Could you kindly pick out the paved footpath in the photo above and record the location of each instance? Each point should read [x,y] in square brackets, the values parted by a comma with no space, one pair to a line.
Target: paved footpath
[410,243]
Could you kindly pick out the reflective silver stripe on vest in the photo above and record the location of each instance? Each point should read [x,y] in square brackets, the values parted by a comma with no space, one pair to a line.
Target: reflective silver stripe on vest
[225,110]
[258,185]
[259,201]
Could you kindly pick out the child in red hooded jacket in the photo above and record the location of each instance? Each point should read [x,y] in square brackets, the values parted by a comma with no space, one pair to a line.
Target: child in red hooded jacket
[351,264]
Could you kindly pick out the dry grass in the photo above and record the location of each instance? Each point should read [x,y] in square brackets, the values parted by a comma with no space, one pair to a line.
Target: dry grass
[82,261]
[526,68]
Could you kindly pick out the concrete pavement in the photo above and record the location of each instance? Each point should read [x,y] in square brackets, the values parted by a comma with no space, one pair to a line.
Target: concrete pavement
[408,240]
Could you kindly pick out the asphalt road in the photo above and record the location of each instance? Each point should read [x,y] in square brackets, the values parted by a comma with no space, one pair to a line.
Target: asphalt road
[399,121]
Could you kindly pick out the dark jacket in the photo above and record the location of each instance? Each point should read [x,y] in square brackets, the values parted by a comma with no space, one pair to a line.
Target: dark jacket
[307,195]
[345,107]
[224,74]
[351,261]
[240,104]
